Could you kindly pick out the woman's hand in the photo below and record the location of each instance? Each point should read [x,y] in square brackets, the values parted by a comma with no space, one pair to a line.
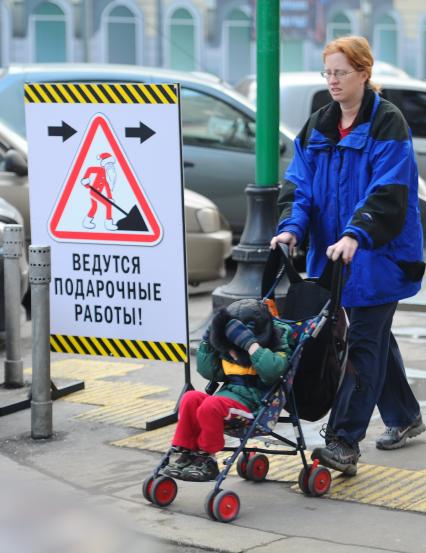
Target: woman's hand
[285,238]
[345,247]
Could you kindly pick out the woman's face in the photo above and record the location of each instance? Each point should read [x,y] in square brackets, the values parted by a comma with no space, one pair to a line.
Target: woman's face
[348,86]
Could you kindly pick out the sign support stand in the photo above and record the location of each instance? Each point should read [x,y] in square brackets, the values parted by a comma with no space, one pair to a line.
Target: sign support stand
[112,235]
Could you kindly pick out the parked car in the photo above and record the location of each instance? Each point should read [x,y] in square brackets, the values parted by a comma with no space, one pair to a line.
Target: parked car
[208,236]
[303,93]
[218,125]
[9,215]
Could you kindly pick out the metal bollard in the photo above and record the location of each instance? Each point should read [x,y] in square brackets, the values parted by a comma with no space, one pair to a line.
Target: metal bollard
[41,397]
[12,250]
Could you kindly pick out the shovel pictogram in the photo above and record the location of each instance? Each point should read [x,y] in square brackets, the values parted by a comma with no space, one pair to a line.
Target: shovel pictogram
[133,220]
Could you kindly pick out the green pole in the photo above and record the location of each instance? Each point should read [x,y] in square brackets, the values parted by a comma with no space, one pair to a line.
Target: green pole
[268,108]
[253,250]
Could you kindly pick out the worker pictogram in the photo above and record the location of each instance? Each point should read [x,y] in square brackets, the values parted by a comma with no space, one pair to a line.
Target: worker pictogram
[102,199]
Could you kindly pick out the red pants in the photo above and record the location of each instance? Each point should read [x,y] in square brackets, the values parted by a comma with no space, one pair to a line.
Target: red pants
[202,419]
[94,207]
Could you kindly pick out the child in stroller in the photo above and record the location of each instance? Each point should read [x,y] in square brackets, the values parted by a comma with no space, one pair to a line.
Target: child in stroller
[247,349]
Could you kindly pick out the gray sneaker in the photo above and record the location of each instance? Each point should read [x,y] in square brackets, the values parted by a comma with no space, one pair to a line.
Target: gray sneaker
[175,468]
[202,469]
[395,437]
[338,455]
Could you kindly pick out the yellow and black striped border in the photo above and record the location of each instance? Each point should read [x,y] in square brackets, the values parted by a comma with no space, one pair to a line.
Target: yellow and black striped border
[100,93]
[119,347]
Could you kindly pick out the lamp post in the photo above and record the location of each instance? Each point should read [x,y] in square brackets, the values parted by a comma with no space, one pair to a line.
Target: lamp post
[253,249]
[366,15]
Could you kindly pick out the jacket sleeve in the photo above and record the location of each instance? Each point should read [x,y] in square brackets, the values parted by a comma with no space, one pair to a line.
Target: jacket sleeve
[380,216]
[209,364]
[270,365]
[85,181]
[295,199]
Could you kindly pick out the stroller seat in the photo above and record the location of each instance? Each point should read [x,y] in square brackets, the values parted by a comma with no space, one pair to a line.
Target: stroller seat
[237,427]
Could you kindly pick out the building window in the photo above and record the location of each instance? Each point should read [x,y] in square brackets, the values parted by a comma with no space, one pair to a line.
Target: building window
[49,31]
[386,39]
[237,45]
[181,45]
[121,30]
[339,25]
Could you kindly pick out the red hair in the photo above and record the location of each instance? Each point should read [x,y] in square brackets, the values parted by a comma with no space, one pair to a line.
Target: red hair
[358,51]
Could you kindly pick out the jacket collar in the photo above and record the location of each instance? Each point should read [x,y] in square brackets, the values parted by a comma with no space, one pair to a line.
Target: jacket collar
[326,132]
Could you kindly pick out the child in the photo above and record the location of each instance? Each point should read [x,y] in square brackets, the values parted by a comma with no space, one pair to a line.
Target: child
[246,349]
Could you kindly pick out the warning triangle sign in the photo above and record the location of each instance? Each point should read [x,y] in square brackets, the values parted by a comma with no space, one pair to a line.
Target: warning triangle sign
[102,199]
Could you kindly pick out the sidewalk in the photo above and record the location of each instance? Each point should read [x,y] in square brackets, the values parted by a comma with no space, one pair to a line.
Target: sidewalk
[84,485]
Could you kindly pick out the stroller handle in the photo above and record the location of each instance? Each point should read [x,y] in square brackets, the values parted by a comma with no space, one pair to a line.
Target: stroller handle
[336,285]
[280,264]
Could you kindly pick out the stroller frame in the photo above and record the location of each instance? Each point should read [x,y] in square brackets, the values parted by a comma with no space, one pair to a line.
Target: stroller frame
[314,480]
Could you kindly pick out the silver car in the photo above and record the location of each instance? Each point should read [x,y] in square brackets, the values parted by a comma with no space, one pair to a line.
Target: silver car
[218,125]
[207,233]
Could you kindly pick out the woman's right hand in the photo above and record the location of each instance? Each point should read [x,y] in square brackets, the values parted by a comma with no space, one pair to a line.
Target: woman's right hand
[285,238]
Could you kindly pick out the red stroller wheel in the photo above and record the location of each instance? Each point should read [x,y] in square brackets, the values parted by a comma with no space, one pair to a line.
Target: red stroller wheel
[243,459]
[208,504]
[226,506]
[147,488]
[304,479]
[163,491]
[257,467]
[319,481]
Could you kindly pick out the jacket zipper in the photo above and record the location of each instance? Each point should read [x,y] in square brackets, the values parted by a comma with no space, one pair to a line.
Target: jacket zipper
[338,231]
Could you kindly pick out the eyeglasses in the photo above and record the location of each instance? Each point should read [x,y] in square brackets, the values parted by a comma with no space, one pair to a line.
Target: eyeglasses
[338,74]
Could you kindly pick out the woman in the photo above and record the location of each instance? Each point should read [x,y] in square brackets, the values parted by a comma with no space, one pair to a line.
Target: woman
[353,183]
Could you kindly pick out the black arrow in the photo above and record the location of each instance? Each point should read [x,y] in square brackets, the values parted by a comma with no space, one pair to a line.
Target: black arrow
[65,131]
[142,132]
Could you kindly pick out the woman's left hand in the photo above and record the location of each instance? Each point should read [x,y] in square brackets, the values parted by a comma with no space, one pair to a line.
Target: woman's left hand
[345,248]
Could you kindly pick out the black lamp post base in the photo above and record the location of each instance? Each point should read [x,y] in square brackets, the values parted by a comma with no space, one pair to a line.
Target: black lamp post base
[253,250]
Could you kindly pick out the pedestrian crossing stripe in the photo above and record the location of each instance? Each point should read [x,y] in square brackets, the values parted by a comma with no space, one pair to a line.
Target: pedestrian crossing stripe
[100,93]
[119,347]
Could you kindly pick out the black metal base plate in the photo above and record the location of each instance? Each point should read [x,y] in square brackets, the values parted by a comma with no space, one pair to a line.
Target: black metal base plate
[17,399]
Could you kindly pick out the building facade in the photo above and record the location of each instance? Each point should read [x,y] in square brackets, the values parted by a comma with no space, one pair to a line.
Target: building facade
[216,36]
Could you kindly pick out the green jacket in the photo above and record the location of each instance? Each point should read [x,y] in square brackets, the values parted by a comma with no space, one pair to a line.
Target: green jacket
[269,366]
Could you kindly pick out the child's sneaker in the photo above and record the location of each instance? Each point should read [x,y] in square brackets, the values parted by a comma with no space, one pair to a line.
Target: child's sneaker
[175,468]
[202,469]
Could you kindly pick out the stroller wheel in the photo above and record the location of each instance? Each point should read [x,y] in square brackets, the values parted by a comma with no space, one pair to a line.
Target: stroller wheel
[243,459]
[147,488]
[163,491]
[208,504]
[257,467]
[226,506]
[319,481]
[304,479]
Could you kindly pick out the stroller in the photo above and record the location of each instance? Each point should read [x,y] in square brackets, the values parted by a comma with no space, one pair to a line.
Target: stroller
[316,368]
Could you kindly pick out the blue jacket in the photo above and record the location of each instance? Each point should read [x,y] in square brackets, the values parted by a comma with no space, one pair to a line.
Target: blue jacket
[363,186]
